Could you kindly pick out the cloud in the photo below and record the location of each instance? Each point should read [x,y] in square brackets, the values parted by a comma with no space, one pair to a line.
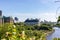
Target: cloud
[41,16]
[48,16]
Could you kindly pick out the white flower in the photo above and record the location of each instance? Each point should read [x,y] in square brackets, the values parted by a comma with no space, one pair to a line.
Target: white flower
[23,32]
[14,32]
[3,39]
[14,26]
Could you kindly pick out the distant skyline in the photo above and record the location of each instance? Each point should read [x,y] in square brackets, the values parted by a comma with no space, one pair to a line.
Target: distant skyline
[23,9]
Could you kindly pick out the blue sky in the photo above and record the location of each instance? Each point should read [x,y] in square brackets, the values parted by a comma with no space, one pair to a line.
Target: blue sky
[23,9]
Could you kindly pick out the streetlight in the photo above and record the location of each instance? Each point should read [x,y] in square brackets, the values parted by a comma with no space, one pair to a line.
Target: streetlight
[57,8]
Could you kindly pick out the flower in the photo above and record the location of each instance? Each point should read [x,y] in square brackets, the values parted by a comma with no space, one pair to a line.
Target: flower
[14,26]
[3,39]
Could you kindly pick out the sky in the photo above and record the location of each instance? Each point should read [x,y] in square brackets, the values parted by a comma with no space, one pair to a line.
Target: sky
[23,9]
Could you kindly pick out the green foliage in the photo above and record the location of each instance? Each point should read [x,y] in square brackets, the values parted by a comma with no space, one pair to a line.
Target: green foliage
[16,32]
[45,27]
[58,19]
[56,39]
[3,30]
[57,25]
[22,26]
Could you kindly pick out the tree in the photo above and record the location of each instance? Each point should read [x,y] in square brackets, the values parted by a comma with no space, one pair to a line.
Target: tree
[16,19]
[58,19]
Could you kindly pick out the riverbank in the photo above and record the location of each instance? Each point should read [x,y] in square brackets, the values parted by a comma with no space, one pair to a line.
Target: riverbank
[54,34]
[49,33]
[46,34]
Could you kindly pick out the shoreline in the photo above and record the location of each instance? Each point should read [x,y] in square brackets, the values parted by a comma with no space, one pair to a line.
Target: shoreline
[49,33]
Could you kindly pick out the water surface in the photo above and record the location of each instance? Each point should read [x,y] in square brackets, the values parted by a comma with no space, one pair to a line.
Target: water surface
[55,34]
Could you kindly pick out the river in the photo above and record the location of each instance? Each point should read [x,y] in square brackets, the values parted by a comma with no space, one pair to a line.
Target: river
[55,34]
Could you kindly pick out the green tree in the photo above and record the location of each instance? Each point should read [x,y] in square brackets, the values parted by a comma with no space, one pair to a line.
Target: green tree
[58,19]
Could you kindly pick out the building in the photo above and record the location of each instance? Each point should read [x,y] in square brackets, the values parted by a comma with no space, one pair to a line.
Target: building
[32,22]
[8,19]
[0,13]
[1,18]
[4,19]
